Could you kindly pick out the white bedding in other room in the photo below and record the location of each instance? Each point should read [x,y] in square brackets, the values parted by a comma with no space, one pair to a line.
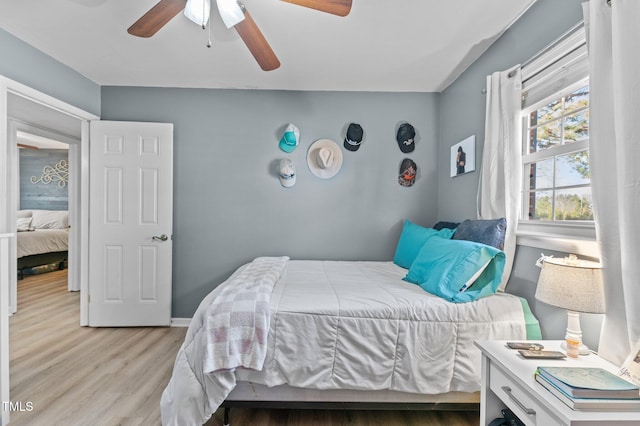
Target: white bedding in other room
[350,325]
[42,241]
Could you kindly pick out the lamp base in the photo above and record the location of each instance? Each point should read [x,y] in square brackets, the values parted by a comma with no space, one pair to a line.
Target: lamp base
[584,349]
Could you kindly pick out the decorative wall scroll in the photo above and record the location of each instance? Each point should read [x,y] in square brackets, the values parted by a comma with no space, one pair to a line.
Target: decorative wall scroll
[58,173]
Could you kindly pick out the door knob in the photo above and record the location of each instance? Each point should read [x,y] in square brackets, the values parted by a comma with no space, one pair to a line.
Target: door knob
[162,237]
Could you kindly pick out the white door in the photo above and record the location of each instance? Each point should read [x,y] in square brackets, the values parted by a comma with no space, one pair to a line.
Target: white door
[130,223]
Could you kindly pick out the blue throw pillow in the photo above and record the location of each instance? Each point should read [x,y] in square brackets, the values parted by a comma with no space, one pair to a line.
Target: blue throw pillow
[411,240]
[446,267]
[490,232]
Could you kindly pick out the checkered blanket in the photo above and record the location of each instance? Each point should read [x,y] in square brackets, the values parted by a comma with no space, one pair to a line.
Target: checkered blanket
[237,321]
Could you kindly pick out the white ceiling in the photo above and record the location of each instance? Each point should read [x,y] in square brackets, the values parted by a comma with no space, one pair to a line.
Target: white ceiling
[29,140]
[393,45]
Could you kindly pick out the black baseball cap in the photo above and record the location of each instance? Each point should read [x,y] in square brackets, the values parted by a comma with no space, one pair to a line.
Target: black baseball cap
[406,137]
[354,137]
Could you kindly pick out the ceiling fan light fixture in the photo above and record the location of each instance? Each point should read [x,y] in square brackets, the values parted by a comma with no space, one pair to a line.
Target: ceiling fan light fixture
[198,11]
[231,12]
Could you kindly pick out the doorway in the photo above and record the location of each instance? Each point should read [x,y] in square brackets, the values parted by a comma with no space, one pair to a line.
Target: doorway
[30,110]
[23,104]
[25,116]
[44,189]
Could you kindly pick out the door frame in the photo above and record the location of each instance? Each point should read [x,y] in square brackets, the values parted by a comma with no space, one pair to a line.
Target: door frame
[79,203]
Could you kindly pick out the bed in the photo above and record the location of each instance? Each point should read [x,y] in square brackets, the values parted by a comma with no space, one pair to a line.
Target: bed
[42,241]
[336,333]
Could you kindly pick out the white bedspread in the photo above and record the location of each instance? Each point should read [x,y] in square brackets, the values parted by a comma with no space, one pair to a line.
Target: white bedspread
[42,241]
[352,325]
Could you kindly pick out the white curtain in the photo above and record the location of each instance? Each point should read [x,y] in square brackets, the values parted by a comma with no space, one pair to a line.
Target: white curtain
[501,173]
[613,37]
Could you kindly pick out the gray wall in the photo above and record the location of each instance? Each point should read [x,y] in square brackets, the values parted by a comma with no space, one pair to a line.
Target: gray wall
[462,106]
[40,195]
[29,66]
[462,113]
[229,206]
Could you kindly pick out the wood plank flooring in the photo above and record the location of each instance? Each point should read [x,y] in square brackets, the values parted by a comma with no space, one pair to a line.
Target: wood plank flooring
[81,376]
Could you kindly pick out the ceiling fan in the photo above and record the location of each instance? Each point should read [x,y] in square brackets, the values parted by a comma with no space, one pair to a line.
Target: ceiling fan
[234,14]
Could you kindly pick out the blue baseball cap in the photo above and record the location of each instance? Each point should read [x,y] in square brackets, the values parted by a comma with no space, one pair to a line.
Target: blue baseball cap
[290,139]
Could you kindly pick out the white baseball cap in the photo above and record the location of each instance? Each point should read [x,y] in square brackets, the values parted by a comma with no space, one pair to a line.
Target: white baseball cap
[287,173]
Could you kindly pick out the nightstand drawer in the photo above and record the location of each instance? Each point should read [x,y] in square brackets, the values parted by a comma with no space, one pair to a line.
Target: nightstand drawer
[526,407]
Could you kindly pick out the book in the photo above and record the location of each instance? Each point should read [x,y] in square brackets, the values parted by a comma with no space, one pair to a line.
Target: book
[589,382]
[589,404]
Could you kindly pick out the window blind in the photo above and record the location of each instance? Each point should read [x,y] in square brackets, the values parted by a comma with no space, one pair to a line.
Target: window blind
[556,67]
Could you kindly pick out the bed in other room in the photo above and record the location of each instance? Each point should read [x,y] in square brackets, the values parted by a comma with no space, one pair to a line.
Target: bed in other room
[42,241]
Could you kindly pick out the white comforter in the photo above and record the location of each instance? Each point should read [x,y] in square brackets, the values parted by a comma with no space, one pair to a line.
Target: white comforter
[42,241]
[352,325]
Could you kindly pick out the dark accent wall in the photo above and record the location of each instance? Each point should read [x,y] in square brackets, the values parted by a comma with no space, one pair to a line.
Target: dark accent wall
[229,206]
[41,195]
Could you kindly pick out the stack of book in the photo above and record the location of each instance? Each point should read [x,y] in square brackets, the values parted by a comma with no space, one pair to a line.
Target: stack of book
[589,388]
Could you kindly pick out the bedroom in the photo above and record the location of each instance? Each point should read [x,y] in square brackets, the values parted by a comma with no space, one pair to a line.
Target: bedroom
[217,225]
[43,243]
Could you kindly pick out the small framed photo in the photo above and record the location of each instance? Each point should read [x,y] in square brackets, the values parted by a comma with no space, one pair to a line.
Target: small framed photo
[463,157]
[630,370]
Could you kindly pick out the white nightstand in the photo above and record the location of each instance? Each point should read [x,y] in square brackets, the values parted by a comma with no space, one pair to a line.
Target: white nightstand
[508,381]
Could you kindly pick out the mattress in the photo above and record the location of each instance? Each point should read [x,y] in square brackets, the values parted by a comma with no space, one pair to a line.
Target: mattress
[350,325]
[41,241]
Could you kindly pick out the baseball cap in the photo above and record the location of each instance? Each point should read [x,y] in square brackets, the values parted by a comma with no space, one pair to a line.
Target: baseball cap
[290,139]
[287,173]
[354,137]
[408,170]
[405,137]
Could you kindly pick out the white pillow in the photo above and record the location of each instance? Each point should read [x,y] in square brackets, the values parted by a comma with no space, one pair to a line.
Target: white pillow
[23,224]
[23,213]
[50,219]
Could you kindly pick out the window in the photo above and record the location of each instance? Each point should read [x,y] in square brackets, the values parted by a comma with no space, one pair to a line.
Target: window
[557,184]
[557,209]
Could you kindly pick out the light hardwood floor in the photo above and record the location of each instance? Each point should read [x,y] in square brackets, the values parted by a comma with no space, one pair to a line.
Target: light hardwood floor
[82,376]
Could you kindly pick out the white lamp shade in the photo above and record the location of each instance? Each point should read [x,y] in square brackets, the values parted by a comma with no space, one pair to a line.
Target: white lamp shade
[572,284]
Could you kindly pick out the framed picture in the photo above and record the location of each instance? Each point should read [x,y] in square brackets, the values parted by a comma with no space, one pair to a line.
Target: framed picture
[463,157]
[630,370]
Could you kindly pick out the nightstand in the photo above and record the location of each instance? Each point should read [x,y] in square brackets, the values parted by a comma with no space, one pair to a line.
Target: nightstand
[508,381]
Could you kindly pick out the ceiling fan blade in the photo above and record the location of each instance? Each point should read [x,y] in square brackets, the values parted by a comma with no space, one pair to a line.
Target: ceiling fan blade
[257,44]
[156,18]
[334,7]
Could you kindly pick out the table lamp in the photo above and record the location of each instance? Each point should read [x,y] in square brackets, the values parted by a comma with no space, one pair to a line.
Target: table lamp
[575,285]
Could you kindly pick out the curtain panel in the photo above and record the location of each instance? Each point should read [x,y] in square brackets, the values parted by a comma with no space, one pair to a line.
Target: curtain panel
[500,183]
[613,37]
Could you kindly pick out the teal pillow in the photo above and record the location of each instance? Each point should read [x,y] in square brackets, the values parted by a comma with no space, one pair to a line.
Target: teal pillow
[446,267]
[411,240]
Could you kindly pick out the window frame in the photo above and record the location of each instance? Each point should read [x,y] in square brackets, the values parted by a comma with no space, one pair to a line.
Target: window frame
[574,236]
[550,153]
